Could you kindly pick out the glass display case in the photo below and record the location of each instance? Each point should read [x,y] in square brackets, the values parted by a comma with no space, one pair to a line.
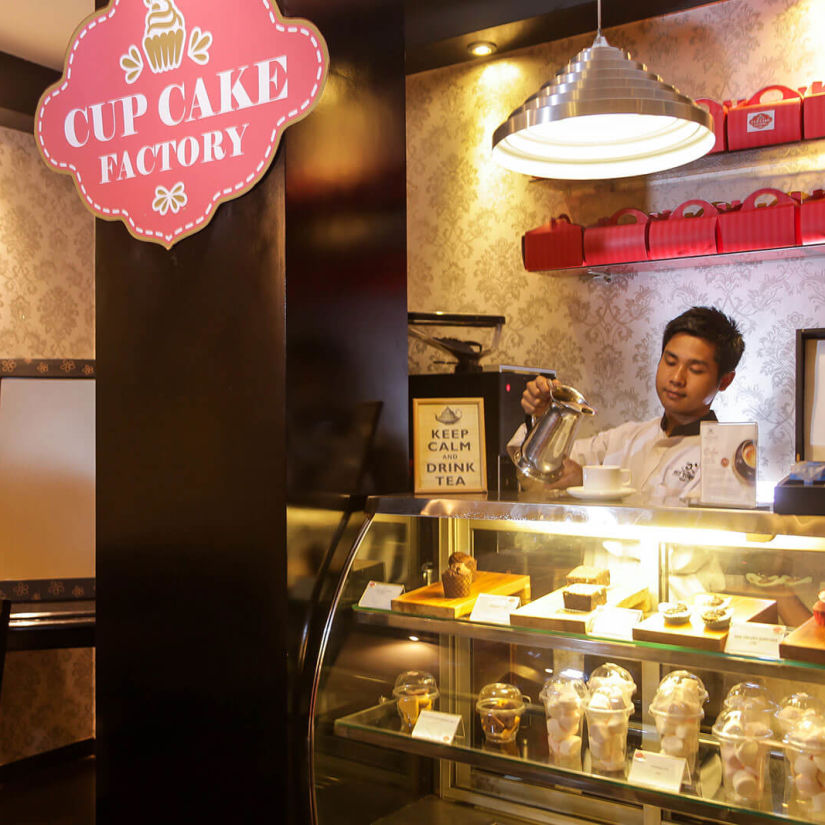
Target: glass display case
[696,641]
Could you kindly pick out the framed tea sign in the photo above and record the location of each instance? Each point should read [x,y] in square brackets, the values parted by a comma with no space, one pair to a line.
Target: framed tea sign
[168,108]
[448,445]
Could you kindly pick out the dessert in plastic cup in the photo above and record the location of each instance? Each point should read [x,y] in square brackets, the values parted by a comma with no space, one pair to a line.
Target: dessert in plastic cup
[805,760]
[677,711]
[500,707]
[753,697]
[744,745]
[819,609]
[414,691]
[608,711]
[564,699]
[792,708]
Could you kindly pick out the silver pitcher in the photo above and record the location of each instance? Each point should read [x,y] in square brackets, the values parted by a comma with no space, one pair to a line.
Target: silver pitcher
[541,455]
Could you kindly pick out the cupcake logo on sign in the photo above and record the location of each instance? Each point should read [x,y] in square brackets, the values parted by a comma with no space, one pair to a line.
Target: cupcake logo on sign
[167,108]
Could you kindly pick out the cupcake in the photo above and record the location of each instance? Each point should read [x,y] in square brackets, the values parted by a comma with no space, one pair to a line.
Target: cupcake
[468,561]
[717,618]
[457,579]
[675,612]
[163,36]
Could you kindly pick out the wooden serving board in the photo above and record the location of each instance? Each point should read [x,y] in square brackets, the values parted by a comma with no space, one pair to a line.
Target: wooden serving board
[549,612]
[806,643]
[694,634]
[430,600]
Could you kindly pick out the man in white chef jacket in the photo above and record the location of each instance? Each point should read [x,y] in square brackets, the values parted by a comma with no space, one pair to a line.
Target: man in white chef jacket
[701,349]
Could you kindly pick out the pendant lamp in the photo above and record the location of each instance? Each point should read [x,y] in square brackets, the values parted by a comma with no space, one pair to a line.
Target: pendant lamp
[603,116]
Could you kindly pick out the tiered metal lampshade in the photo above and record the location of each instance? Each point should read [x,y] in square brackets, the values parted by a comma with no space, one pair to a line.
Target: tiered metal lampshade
[603,115]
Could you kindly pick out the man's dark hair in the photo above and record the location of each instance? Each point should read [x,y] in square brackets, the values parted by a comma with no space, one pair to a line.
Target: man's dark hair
[713,326]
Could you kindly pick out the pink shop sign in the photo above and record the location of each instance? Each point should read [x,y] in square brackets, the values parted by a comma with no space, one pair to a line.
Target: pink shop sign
[167,108]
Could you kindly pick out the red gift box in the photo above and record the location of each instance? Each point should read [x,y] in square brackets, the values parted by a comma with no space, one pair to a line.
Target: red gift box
[684,233]
[773,223]
[556,245]
[754,123]
[718,111]
[812,218]
[612,242]
[813,111]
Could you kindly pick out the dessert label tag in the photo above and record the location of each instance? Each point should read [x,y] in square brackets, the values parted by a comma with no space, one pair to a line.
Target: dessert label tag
[614,622]
[657,770]
[435,726]
[755,639]
[379,595]
[494,609]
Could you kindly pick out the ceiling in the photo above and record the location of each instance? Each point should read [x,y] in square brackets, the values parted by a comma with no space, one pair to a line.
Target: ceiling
[437,31]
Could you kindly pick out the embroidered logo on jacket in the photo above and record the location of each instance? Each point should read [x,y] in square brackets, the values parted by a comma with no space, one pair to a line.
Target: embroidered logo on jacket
[688,472]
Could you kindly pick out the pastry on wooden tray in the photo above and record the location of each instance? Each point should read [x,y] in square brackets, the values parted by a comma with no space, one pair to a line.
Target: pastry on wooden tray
[675,613]
[585,574]
[584,596]
[463,558]
[457,580]
[716,618]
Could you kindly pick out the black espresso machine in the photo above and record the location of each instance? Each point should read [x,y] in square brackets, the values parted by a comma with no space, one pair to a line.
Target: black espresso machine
[500,386]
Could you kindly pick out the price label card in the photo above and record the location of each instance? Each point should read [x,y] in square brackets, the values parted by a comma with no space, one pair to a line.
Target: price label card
[755,639]
[614,622]
[657,770]
[379,595]
[435,726]
[494,609]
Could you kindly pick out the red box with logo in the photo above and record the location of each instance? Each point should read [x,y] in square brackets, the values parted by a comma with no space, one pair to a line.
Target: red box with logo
[684,233]
[757,123]
[767,219]
[813,111]
[812,218]
[556,245]
[719,112]
[612,242]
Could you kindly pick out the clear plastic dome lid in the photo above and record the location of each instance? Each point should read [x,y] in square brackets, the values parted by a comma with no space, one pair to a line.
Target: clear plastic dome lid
[499,694]
[808,734]
[608,699]
[680,693]
[751,696]
[415,683]
[792,708]
[612,677]
[739,723]
[564,690]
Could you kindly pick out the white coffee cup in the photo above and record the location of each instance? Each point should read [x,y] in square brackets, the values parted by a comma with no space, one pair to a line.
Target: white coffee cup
[603,478]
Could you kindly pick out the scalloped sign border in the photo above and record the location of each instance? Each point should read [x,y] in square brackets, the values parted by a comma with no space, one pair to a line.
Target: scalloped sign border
[168,108]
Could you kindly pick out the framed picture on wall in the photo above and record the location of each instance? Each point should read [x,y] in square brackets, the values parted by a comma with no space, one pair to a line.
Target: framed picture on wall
[810,395]
[449,446]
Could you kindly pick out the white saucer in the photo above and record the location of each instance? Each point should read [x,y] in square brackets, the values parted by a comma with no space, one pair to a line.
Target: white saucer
[600,495]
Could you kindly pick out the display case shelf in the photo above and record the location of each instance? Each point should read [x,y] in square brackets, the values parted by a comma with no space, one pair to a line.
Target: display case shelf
[664,654]
[526,758]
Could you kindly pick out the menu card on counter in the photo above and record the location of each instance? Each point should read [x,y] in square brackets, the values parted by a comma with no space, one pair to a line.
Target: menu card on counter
[728,462]
[614,622]
[755,639]
[494,609]
[379,595]
[435,726]
[657,770]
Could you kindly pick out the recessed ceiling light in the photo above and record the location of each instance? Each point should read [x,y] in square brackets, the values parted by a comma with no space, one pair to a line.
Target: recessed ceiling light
[481,48]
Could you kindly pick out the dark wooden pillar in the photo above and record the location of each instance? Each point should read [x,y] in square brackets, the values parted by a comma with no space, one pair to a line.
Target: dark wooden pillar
[204,354]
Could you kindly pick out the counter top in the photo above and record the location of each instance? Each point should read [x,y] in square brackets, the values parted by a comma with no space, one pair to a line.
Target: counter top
[758,524]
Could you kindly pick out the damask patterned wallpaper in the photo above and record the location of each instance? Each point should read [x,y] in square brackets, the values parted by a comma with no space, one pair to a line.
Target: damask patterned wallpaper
[46,311]
[466,216]
[46,258]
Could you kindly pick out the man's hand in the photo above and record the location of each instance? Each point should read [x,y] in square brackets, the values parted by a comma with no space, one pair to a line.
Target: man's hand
[536,396]
[571,476]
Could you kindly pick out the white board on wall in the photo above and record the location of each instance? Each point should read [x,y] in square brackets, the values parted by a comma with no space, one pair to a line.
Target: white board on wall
[47,478]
